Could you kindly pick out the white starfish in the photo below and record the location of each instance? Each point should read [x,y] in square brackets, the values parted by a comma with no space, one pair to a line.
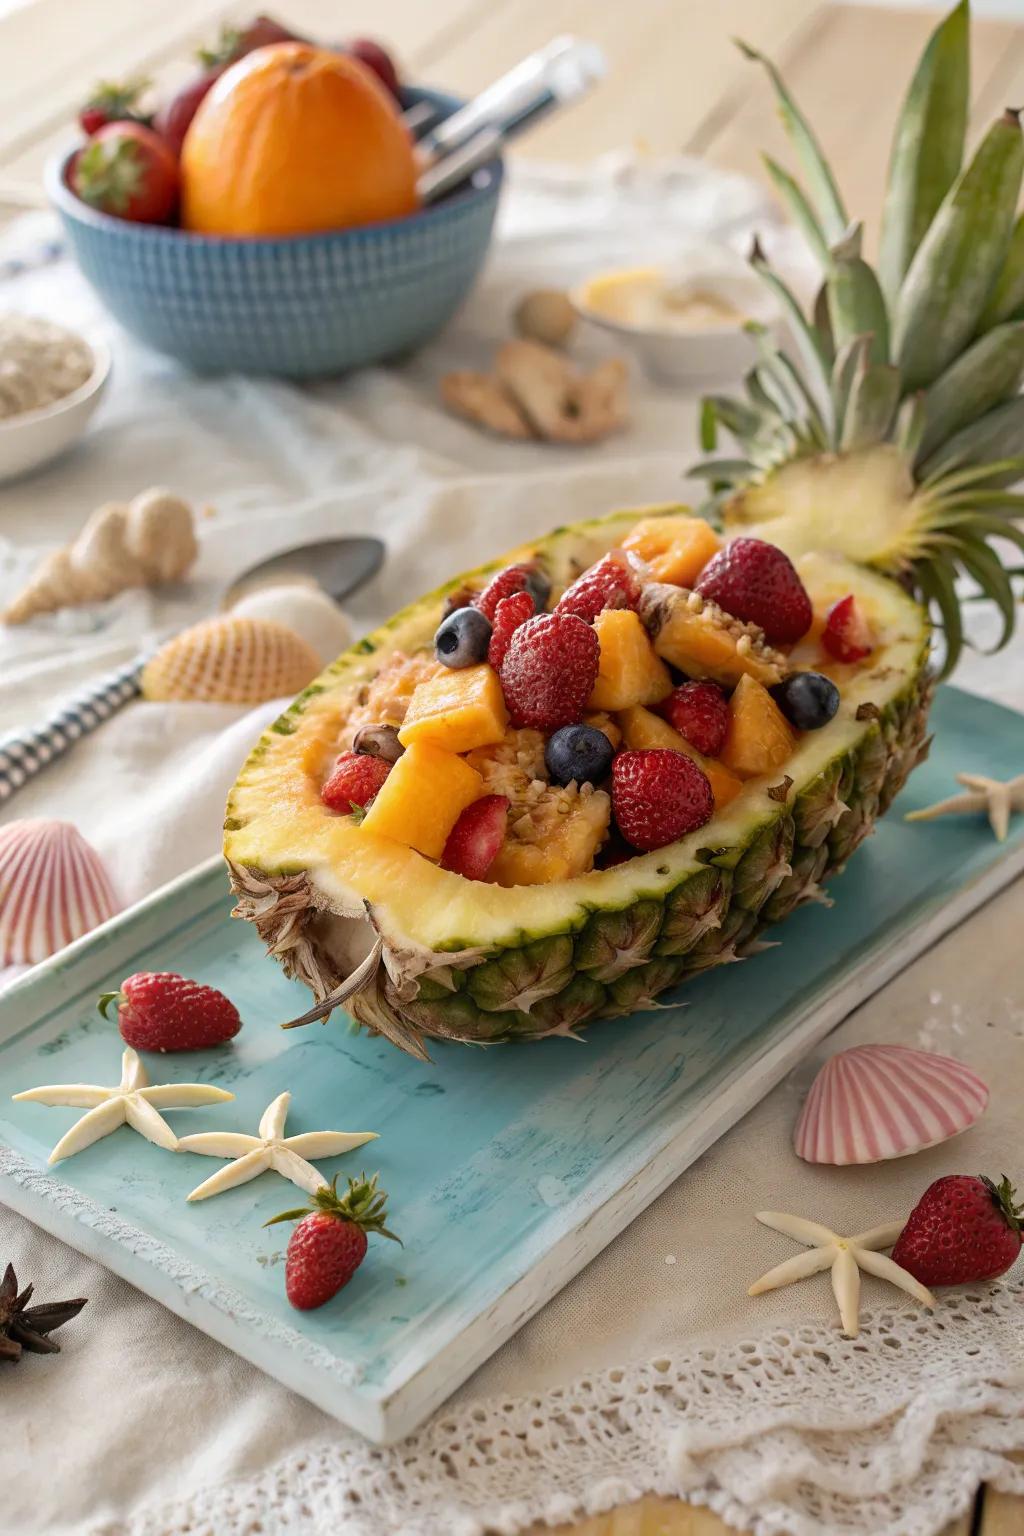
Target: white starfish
[270,1148]
[997,799]
[133,1102]
[845,1256]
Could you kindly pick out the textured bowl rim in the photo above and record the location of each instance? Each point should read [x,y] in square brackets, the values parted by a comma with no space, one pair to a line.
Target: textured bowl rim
[102,364]
[485,183]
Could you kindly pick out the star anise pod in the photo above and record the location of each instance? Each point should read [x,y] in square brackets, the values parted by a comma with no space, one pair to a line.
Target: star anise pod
[23,1327]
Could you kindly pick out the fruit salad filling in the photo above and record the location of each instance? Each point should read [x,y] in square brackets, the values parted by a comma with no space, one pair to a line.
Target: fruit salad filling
[548,734]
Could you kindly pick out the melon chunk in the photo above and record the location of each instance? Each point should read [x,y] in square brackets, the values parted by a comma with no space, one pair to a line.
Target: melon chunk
[702,641]
[759,738]
[561,852]
[423,797]
[644,731]
[457,709]
[676,548]
[628,670]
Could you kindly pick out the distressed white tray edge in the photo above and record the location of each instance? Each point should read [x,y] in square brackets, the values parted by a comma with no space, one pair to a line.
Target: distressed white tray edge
[391,1412]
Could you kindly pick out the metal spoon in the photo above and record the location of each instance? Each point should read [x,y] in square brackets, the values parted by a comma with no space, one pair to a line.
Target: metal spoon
[340,566]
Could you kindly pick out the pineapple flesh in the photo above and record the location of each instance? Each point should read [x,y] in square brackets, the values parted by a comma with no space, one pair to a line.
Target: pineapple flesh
[481,962]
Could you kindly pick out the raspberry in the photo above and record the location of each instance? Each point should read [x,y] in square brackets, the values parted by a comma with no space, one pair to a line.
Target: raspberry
[508,615]
[514,578]
[476,838]
[355,779]
[549,671]
[847,635]
[756,582]
[608,584]
[659,796]
[700,712]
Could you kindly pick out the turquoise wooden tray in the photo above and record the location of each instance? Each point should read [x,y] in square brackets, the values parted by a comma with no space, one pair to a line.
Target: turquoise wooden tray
[508,1169]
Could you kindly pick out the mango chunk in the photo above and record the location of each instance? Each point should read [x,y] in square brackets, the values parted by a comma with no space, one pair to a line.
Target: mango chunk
[628,670]
[676,548]
[643,731]
[702,641]
[759,738]
[457,709]
[560,855]
[423,797]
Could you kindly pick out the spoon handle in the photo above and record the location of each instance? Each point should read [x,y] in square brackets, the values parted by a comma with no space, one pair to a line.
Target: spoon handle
[25,753]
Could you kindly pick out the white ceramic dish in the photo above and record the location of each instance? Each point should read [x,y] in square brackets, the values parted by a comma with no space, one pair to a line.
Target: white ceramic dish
[673,355]
[33,438]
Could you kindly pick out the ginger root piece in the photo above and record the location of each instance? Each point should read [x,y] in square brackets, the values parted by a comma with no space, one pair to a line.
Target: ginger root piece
[535,392]
[479,397]
[561,404]
[148,542]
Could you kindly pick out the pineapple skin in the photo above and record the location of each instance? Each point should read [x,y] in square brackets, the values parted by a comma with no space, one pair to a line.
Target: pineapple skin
[589,961]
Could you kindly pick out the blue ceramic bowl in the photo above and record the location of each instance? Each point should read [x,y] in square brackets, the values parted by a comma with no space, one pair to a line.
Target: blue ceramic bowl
[298,306]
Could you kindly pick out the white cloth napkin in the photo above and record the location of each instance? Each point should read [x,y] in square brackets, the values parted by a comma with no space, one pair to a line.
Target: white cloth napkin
[651,1371]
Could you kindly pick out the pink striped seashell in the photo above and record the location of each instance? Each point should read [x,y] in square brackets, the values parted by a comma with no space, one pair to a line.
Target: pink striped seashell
[876,1102]
[53,888]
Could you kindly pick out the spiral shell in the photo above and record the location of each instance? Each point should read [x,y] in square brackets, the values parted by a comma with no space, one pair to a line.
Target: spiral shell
[876,1102]
[230,661]
[53,888]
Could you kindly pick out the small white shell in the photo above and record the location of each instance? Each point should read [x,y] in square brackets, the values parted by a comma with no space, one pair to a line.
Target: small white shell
[53,888]
[304,608]
[230,661]
[877,1102]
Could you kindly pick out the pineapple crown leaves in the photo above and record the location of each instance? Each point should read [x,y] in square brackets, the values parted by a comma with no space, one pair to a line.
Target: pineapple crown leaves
[1004,1197]
[109,173]
[362,1204]
[912,369]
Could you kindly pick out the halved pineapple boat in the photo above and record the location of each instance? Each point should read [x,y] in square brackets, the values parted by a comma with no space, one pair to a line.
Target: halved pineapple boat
[416,950]
[891,441]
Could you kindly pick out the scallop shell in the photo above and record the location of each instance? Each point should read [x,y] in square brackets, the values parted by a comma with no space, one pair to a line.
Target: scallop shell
[231,661]
[53,888]
[876,1102]
[304,608]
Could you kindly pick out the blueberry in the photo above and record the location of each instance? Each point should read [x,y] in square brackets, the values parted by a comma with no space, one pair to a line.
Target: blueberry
[578,752]
[462,638]
[539,588]
[807,700]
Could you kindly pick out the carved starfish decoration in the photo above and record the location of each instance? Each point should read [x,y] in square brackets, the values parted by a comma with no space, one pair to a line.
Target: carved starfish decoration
[270,1148]
[845,1256]
[133,1102]
[997,799]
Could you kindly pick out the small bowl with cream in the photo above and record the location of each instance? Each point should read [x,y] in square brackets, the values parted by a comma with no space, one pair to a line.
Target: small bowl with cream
[685,320]
[51,380]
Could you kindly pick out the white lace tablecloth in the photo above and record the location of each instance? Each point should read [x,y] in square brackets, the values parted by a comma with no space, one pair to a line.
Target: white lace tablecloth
[652,1371]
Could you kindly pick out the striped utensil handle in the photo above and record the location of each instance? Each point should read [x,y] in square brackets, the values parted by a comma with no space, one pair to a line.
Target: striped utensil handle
[25,753]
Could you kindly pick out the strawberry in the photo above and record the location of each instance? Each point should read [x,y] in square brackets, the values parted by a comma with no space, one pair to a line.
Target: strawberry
[514,578]
[756,582]
[378,60]
[111,103]
[127,170]
[608,584]
[658,796]
[847,635]
[549,671]
[700,712]
[508,615]
[355,779]
[159,1011]
[474,841]
[962,1229]
[329,1243]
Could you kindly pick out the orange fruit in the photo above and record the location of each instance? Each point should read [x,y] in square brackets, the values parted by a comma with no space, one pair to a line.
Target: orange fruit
[294,139]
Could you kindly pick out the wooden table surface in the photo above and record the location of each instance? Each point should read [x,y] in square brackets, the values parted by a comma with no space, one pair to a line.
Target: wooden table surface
[676,83]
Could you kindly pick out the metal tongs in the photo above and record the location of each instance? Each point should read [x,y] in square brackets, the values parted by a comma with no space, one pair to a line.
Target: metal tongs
[546,81]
